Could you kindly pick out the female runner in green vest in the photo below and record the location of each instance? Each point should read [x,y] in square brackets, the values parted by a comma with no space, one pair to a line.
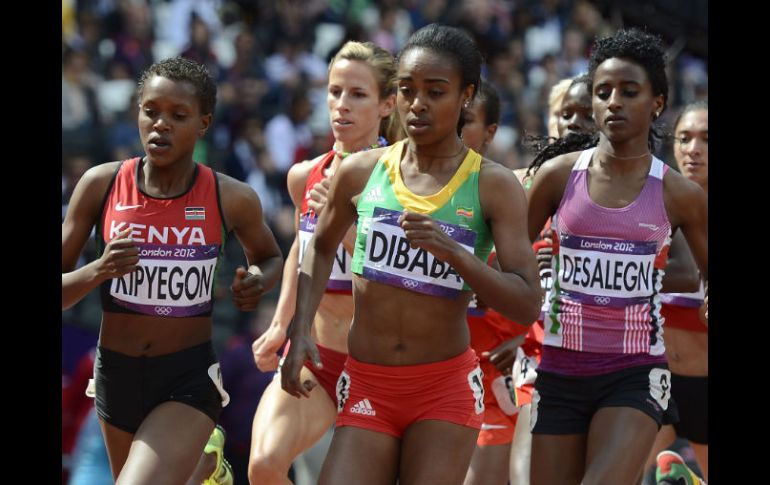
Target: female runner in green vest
[428,210]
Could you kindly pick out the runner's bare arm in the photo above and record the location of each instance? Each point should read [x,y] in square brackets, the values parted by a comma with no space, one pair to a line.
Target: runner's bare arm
[120,256]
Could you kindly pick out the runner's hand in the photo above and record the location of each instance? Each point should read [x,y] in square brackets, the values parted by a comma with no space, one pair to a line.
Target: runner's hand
[504,354]
[265,348]
[247,287]
[302,349]
[120,256]
[422,231]
[318,195]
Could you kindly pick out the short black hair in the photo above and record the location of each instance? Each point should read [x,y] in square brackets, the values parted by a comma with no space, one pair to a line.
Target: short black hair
[453,44]
[181,69]
[638,47]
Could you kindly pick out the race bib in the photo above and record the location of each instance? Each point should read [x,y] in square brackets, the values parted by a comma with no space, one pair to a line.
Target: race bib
[502,388]
[170,281]
[215,373]
[660,386]
[477,387]
[91,388]
[389,259]
[524,369]
[342,390]
[340,277]
[606,272]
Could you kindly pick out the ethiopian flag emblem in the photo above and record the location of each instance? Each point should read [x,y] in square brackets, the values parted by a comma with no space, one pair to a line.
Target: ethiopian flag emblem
[464,212]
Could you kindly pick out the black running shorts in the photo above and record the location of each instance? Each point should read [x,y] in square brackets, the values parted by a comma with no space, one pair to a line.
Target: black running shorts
[128,388]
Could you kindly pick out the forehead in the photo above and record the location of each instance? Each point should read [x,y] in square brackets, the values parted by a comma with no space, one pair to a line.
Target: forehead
[578,93]
[164,90]
[694,121]
[619,70]
[427,63]
[355,73]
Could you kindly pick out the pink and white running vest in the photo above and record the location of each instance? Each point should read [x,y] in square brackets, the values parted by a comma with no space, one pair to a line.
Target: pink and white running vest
[608,268]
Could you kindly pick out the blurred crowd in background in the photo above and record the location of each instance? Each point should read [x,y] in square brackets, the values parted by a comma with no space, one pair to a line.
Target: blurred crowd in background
[270,59]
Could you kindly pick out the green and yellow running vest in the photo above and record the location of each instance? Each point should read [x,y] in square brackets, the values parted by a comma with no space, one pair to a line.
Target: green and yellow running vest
[382,252]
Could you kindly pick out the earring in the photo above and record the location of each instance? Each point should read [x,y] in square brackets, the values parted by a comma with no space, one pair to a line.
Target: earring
[467,104]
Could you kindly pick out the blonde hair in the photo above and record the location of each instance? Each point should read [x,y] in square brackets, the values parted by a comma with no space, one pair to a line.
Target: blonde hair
[383,66]
[554,105]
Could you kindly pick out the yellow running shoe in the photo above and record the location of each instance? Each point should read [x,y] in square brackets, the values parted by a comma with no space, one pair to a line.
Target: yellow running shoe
[223,473]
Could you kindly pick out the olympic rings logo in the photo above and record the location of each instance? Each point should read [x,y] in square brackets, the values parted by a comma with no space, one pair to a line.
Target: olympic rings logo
[602,300]
[163,310]
[409,283]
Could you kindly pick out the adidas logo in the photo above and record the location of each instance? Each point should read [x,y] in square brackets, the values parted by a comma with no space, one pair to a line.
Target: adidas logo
[363,407]
[374,195]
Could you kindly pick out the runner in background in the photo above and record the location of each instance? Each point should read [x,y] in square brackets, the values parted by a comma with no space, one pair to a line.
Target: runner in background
[574,117]
[685,331]
[494,338]
[360,96]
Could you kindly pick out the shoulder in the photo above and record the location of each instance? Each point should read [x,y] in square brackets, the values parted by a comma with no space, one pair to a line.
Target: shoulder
[500,191]
[680,190]
[239,201]
[306,166]
[555,172]
[682,196]
[232,190]
[297,177]
[361,163]
[90,191]
[354,172]
[550,182]
[102,171]
[560,165]
[299,172]
[677,185]
[98,178]
[493,173]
